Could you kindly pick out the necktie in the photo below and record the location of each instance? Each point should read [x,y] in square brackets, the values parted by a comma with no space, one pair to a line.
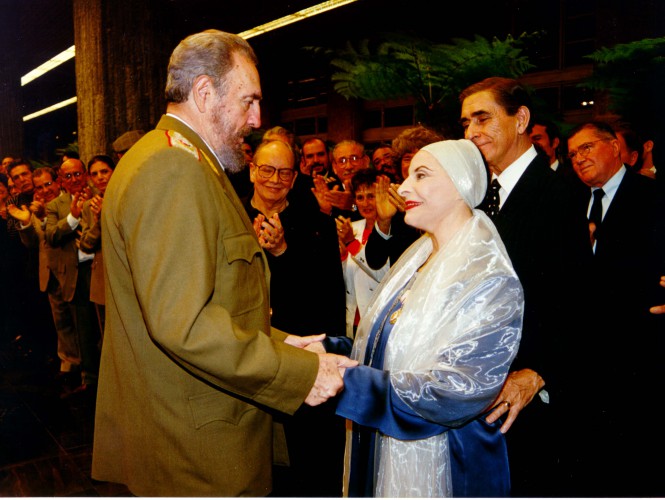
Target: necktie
[596,214]
[491,202]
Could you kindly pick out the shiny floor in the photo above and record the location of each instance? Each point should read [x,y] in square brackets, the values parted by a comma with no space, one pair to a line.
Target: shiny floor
[45,440]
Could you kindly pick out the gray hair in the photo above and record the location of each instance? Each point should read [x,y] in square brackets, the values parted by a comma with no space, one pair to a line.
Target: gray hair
[347,142]
[207,53]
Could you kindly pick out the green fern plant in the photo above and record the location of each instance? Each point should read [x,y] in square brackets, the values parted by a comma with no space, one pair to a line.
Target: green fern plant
[431,73]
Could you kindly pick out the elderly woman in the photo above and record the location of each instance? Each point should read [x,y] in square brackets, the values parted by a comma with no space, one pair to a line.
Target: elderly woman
[435,345]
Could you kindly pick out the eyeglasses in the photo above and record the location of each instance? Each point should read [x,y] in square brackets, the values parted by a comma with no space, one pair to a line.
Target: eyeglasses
[73,174]
[267,171]
[44,186]
[584,149]
[345,159]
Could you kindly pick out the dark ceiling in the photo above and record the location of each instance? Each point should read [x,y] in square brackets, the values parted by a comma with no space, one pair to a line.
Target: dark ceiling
[32,31]
[36,30]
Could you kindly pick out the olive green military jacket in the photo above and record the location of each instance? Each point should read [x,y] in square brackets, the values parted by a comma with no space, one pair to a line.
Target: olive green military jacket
[190,366]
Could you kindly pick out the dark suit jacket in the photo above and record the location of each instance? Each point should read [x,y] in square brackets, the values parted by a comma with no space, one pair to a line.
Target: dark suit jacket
[307,293]
[548,243]
[547,239]
[629,260]
[619,400]
[378,249]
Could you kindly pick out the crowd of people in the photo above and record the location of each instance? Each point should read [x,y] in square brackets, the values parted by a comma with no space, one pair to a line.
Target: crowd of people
[437,316]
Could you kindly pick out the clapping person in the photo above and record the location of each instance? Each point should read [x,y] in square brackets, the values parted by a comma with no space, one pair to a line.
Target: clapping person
[100,169]
[32,233]
[436,345]
[360,279]
[71,265]
[385,161]
[306,297]
[391,235]
[336,198]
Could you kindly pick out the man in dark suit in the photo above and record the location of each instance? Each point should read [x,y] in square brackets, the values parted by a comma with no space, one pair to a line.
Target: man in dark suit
[628,239]
[548,245]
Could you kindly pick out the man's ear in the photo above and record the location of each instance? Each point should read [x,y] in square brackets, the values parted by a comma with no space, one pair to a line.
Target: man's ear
[523,116]
[252,172]
[202,90]
[293,181]
[634,156]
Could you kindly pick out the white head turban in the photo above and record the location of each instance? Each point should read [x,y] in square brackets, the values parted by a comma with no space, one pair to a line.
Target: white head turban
[463,163]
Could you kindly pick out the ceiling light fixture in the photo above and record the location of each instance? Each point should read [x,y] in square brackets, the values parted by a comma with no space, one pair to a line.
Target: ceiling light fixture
[258,30]
[41,112]
[55,61]
[294,18]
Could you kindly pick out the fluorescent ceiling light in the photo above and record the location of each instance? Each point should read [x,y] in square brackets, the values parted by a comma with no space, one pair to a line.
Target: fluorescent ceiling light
[293,18]
[49,65]
[59,105]
[259,30]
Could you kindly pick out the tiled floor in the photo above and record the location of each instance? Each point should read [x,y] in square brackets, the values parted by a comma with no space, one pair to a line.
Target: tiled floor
[45,441]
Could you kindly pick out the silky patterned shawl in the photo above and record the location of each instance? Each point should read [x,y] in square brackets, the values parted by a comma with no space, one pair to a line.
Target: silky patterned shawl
[450,350]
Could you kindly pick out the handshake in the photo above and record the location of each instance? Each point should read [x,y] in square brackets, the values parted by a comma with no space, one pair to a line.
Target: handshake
[329,380]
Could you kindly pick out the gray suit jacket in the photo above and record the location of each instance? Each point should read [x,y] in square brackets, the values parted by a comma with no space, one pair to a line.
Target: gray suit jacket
[33,236]
[62,255]
[91,242]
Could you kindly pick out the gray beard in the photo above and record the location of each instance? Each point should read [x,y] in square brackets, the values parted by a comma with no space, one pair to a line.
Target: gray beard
[233,159]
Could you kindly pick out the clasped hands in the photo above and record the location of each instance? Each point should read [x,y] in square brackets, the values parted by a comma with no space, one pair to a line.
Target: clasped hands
[270,233]
[329,379]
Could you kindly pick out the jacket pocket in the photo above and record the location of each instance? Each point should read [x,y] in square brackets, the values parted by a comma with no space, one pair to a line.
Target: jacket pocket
[214,406]
[244,281]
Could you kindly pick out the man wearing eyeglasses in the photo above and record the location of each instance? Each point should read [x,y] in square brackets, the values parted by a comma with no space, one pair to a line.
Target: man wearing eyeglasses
[33,221]
[72,266]
[547,241]
[336,199]
[627,345]
[307,295]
